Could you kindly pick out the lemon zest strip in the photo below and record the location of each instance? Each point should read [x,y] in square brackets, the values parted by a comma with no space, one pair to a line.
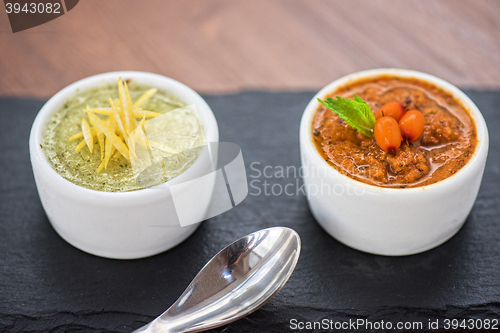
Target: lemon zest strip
[141,125]
[80,145]
[100,139]
[109,148]
[120,146]
[136,113]
[124,106]
[99,169]
[76,136]
[134,123]
[99,134]
[145,97]
[116,155]
[80,135]
[118,120]
[87,134]
[129,110]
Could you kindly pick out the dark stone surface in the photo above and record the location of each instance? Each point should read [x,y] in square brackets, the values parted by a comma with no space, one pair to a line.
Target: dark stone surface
[46,285]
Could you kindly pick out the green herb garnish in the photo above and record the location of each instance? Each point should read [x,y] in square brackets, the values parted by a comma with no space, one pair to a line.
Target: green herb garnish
[355,112]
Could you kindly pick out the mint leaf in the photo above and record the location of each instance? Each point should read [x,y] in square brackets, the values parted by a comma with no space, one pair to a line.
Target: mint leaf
[354,112]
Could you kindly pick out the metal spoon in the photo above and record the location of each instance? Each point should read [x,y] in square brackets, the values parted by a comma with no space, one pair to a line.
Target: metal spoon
[237,281]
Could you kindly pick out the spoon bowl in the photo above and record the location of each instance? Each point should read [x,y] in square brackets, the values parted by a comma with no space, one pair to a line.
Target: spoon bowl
[235,282]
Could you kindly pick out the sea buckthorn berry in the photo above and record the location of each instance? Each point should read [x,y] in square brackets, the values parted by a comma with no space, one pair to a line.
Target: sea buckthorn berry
[412,125]
[391,109]
[387,134]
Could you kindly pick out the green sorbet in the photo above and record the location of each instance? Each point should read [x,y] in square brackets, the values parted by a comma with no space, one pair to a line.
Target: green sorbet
[80,167]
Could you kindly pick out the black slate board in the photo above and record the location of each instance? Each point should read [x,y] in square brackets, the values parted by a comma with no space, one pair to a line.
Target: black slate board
[46,285]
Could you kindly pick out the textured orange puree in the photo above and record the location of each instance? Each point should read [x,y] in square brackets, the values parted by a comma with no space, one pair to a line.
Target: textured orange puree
[446,145]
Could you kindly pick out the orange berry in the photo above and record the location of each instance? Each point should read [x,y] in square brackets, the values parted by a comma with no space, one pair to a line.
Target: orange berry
[412,125]
[387,134]
[391,109]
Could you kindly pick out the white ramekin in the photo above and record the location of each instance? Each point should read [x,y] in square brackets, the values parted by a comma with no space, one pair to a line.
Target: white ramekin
[121,225]
[390,221]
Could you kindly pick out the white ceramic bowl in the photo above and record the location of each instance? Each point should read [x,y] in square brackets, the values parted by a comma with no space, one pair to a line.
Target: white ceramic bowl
[390,221]
[122,225]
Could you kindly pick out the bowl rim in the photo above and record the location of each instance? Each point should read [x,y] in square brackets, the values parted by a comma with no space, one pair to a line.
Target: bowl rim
[56,101]
[480,152]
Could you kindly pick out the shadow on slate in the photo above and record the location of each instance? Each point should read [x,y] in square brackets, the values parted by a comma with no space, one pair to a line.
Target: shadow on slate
[46,285]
